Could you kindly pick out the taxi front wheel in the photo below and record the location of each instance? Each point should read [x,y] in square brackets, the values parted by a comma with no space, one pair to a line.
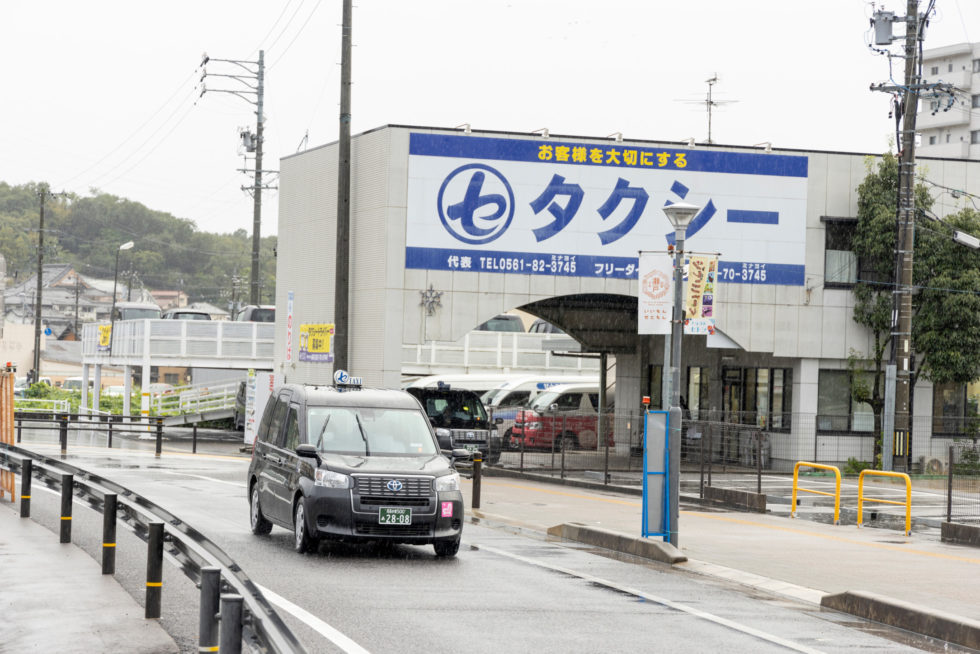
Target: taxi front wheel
[446,548]
[260,526]
[302,540]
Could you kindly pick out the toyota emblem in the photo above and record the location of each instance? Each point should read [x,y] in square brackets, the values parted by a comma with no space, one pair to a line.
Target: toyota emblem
[394,485]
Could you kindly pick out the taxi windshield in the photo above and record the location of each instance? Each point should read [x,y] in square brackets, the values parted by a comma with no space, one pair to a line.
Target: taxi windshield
[366,431]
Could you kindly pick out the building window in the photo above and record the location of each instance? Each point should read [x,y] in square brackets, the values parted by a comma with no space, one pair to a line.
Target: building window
[947,137]
[757,396]
[836,410]
[949,69]
[934,70]
[949,411]
[975,136]
[975,100]
[840,261]
[698,387]
[932,140]
[976,65]
[934,106]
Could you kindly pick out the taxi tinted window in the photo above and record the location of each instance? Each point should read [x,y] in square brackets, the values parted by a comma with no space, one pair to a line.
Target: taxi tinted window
[292,428]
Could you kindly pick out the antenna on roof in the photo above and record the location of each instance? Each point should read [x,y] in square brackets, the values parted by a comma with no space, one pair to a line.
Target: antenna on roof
[710,102]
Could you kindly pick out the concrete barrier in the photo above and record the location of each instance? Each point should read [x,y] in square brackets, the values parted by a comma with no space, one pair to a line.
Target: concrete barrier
[735,499]
[904,615]
[953,532]
[643,547]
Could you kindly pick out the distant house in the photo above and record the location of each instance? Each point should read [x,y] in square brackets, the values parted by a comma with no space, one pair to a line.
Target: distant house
[170,299]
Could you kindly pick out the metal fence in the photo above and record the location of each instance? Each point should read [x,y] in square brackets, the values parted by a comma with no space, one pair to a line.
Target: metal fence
[963,483]
[563,444]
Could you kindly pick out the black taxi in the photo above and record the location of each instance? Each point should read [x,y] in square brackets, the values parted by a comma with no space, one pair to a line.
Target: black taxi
[352,464]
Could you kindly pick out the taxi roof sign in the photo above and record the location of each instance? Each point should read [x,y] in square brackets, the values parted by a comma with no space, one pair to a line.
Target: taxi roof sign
[342,378]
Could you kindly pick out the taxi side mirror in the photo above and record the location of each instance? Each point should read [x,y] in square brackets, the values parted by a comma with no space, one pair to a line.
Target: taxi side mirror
[308,451]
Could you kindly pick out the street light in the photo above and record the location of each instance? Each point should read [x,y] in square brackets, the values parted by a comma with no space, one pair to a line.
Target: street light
[115,280]
[680,215]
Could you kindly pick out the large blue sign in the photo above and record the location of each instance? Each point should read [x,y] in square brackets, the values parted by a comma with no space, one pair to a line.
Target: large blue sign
[547,207]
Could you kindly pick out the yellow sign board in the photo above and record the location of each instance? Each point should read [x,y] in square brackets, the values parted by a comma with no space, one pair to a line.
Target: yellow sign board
[105,335]
[314,342]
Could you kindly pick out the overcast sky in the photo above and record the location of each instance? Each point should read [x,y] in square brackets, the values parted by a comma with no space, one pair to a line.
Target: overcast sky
[104,95]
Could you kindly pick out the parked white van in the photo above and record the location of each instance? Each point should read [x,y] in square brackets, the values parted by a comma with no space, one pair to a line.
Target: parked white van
[504,401]
[477,382]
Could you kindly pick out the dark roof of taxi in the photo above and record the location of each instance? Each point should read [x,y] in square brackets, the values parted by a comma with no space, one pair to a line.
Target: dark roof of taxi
[364,397]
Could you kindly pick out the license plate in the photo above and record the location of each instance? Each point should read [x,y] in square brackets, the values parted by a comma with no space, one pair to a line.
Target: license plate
[394,516]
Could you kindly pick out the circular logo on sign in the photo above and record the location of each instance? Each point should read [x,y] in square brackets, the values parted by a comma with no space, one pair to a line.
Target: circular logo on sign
[656,284]
[341,377]
[476,204]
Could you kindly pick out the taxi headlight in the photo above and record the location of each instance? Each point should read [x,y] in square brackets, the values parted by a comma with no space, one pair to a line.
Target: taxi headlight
[331,479]
[448,482]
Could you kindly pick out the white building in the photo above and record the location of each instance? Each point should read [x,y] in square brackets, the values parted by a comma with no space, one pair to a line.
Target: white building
[553,226]
[950,127]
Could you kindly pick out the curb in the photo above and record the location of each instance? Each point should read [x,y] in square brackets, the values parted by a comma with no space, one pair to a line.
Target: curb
[904,615]
[611,540]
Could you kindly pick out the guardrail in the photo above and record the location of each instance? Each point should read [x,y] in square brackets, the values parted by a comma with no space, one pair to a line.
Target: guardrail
[195,399]
[907,502]
[245,614]
[835,494]
[45,406]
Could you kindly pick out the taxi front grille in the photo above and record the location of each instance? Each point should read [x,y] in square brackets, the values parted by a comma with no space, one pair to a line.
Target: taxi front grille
[470,435]
[379,486]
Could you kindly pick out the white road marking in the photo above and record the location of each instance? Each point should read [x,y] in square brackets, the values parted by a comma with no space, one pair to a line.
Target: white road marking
[658,600]
[315,623]
[217,481]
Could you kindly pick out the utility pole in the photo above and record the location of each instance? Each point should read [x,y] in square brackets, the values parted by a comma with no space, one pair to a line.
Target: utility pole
[342,265]
[254,70]
[42,192]
[902,338]
[901,346]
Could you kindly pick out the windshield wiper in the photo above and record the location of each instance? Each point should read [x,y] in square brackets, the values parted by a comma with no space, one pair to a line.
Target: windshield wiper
[319,438]
[360,428]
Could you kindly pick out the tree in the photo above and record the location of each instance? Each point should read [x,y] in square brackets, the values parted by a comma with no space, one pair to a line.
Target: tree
[946,327]
[874,244]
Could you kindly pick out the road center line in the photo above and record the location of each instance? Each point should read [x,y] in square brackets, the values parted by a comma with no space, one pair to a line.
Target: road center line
[313,622]
[724,622]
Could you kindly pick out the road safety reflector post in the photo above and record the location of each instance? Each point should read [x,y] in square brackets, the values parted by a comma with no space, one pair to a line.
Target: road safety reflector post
[67,487]
[208,629]
[477,476]
[154,569]
[26,470]
[231,624]
[63,434]
[109,534]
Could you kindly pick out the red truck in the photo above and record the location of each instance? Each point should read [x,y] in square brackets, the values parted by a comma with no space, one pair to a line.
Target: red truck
[565,415]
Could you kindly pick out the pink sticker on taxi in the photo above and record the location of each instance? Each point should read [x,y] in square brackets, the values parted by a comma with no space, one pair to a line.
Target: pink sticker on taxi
[447,509]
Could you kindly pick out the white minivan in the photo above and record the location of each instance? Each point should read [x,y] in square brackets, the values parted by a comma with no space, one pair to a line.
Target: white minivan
[504,401]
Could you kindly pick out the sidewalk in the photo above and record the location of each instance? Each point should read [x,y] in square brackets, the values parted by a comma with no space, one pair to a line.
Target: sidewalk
[800,558]
[93,613]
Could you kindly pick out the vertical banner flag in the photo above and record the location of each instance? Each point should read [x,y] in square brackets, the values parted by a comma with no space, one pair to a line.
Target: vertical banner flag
[700,300]
[289,327]
[656,299]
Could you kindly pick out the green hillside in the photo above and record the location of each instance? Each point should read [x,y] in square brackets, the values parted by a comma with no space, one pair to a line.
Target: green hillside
[170,253]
